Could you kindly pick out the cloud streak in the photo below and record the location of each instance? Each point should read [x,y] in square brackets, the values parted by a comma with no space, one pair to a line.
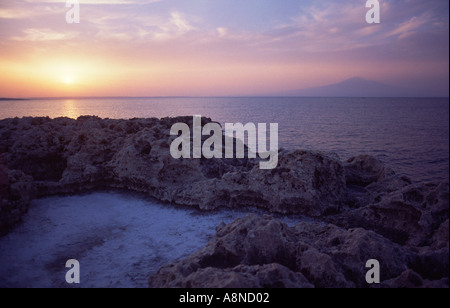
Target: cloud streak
[42,35]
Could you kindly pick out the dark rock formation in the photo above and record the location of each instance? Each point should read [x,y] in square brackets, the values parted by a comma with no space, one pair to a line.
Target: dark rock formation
[242,276]
[364,170]
[16,192]
[309,253]
[411,215]
[362,209]
[65,155]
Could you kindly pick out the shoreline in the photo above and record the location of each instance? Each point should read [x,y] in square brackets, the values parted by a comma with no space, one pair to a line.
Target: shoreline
[360,197]
[396,138]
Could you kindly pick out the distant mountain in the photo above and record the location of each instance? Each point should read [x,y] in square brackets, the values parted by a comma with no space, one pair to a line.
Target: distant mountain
[355,87]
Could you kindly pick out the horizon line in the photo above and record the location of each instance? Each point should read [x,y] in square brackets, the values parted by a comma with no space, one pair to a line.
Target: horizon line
[200,96]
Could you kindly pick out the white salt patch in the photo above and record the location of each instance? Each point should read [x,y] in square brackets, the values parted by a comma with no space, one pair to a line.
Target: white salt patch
[118,238]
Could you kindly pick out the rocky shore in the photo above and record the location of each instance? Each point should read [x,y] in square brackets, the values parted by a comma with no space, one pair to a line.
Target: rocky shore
[361,209]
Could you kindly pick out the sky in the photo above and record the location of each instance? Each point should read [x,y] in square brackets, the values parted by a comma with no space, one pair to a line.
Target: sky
[218,47]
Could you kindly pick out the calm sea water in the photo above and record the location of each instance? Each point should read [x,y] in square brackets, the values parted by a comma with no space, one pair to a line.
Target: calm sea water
[411,135]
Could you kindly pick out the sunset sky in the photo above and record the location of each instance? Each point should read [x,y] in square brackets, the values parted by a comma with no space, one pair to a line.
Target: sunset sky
[218,47]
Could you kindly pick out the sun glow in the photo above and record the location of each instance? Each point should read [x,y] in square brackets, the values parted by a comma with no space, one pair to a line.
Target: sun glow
[64,76]
[68,80]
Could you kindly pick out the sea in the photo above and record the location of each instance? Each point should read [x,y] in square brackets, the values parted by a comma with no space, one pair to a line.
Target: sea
[411,135]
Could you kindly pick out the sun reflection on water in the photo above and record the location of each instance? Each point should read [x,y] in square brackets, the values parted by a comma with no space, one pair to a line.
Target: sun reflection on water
[70,109]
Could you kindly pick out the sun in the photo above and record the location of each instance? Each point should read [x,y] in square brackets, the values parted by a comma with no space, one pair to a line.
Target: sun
[68,80]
